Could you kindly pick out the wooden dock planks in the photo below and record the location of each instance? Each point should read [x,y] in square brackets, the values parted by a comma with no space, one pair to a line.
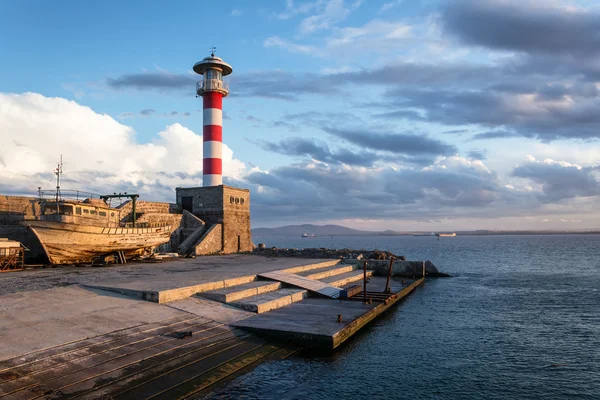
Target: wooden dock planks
[144,361]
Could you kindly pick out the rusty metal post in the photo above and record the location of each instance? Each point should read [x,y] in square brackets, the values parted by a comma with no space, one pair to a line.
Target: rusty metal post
[133,201]
[387,283]
[365,281]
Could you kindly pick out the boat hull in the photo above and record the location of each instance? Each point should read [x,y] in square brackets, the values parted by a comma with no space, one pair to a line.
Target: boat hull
[66,243]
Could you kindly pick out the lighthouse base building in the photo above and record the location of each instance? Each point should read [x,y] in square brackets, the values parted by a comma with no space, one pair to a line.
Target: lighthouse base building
[224,212]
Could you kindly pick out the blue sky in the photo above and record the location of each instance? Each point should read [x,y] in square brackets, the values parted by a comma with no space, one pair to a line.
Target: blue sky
[416,115]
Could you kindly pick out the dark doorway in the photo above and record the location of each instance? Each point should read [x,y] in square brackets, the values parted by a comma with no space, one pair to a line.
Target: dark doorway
[187,203]
[239,244]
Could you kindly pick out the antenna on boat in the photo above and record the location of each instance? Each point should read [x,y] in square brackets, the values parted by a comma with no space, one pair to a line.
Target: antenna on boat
[58,171]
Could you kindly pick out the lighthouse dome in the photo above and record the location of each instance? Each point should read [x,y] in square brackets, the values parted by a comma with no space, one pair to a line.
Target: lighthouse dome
[212,62]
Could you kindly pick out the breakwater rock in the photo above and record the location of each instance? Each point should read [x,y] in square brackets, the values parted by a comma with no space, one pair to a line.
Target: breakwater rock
[407,269]
[328,253]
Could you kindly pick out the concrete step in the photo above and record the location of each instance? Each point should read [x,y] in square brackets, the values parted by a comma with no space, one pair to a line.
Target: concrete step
[234,293]
[270,301]
[346,278]
[308,267]
[327,271]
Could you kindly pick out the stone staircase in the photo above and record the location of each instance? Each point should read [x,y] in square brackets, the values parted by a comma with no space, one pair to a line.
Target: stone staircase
[260,296]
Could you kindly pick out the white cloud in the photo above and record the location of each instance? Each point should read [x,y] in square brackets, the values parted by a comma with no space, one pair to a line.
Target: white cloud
[388,6]
[292,9]
[374,37]
[373,32]
[236,12]
[275,41]
[99,152]
[329,14]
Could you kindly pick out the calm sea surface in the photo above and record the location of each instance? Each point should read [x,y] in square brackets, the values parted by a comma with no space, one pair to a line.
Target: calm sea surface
[520,319]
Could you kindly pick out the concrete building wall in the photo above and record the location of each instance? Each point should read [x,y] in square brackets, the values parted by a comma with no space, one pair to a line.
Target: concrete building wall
[17,208]
[236,220]
[221,205]
[211,242]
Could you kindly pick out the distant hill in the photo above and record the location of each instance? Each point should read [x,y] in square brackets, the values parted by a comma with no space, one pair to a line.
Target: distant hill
[339,230]
[317,230]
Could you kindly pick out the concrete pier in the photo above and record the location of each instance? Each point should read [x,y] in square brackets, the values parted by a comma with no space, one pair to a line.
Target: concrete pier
[314,321]
[172,329]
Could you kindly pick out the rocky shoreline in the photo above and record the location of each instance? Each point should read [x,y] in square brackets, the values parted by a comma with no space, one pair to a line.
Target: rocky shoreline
[378,259]
[327,253]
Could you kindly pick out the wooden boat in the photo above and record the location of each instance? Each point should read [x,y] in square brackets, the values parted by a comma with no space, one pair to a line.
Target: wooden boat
[73,232]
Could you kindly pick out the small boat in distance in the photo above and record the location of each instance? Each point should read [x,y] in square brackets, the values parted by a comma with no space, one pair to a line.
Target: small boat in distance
[439,235]
[306,235]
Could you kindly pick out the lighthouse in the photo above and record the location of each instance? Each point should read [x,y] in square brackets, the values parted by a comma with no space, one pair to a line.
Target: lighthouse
[212,89]
[223,223]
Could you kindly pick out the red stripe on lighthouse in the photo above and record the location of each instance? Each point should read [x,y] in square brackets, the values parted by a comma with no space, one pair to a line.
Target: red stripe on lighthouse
[213,100]
[212,136]
[212,132]
[212,166]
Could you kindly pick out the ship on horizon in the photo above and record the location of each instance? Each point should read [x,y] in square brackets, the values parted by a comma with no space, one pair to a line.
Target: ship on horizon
[445,234]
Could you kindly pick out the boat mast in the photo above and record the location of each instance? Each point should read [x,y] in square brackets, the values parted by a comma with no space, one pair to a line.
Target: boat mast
[58,171]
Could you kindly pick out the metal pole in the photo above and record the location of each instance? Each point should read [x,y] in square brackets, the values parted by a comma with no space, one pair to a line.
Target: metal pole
[133,199]
[365,281]
[423,269]
[387,283]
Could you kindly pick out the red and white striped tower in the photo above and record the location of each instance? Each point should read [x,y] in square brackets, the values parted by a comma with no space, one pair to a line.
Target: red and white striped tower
[212,89]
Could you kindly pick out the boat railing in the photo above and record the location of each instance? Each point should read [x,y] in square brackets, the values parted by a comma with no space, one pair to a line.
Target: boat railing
[76,195]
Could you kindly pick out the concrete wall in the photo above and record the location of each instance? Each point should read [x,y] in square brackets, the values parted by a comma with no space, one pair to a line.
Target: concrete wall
[17,208]
[211,241]
[156,207]
[151,211]
[223,205]
[236,220]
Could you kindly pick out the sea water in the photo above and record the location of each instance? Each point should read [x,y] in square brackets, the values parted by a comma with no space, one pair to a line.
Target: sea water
[519,319]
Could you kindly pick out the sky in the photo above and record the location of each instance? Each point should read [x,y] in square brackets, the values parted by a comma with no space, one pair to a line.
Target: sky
[406,115]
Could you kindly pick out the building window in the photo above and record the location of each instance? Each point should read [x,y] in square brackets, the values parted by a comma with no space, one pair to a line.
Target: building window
[241,201]
[78,210]
[92,211]
[237,200]
[102,213]
[86,211]
[231,199]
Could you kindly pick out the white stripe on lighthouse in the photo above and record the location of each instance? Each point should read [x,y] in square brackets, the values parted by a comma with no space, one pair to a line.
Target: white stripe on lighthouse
[212,180]
[213,149]
[213,116]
